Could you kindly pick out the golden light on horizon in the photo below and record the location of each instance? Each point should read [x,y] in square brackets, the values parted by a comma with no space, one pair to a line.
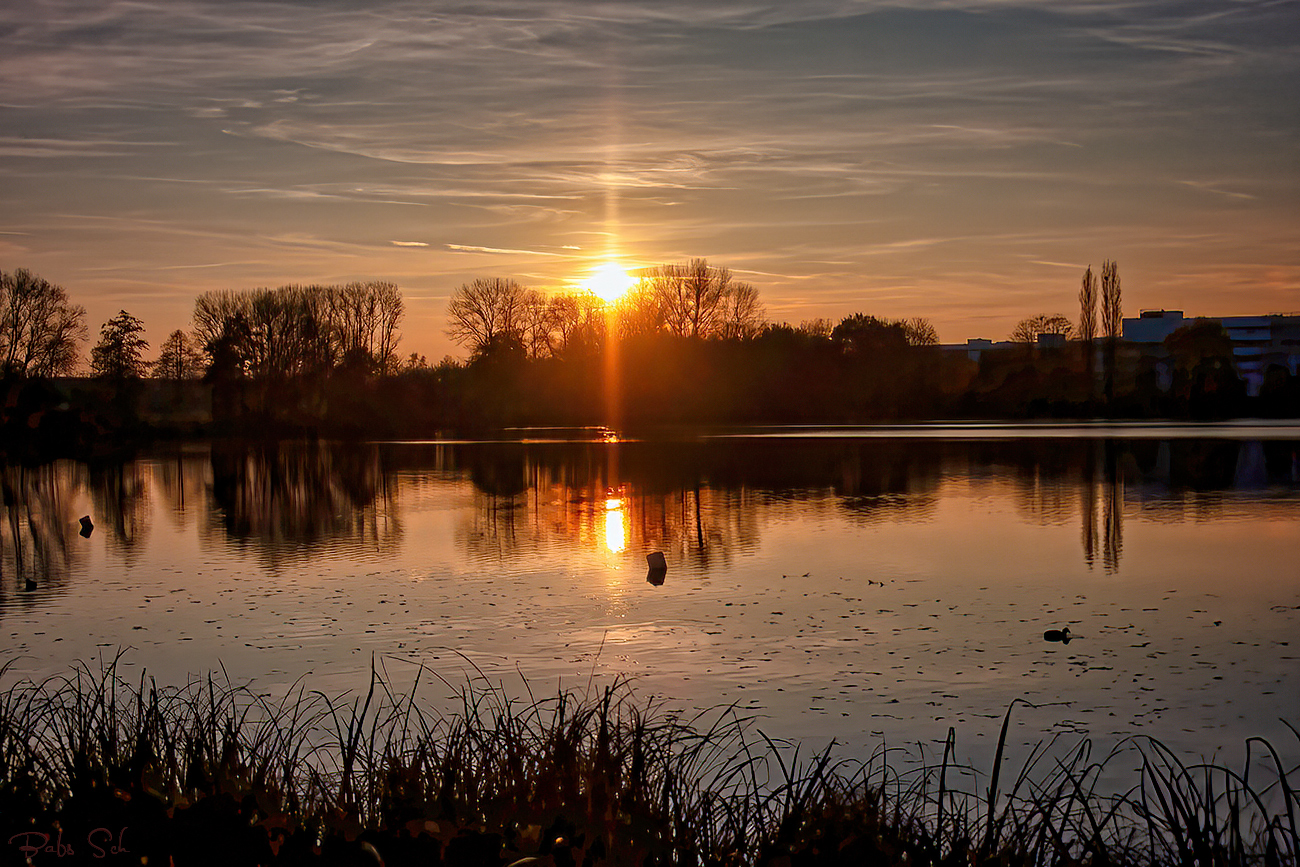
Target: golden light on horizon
[609,282]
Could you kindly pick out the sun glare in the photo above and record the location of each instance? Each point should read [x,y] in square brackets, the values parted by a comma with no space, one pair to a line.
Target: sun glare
[609,282]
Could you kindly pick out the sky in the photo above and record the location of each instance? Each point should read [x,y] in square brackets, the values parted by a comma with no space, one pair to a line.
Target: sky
[962,161]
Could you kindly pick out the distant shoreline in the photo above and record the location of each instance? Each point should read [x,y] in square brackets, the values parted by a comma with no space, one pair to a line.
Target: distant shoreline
[68,416]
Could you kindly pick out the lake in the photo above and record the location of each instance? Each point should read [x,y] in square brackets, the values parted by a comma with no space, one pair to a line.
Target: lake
[864,584]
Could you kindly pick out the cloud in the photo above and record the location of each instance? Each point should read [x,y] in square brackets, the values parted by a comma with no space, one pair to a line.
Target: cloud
[1216,187]
[14,146]
[876,147]
[469,248]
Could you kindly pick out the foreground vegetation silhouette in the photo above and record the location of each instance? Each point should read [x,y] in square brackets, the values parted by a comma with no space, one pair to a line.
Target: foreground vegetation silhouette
[215,773]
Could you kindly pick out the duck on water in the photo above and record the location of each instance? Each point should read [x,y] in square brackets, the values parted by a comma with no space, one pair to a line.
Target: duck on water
[1061,635]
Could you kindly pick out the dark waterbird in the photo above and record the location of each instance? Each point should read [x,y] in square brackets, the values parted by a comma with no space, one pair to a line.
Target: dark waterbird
[1061,635]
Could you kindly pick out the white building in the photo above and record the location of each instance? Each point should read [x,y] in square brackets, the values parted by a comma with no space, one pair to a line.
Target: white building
[1258,342]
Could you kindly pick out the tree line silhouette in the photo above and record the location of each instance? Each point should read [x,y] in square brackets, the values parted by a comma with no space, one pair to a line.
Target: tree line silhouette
[688,343]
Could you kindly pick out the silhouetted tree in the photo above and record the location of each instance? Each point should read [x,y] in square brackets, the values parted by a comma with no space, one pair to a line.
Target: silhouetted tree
[39,328]
[213,314]
[486,310]
[178,358]
[1028,329]
[742,313]
[118,355]
[1200,341]
[1112,319]
[1205,382]
[1112,310]
[820,327]
[546,324]
[505,350]
[699,300]
[1088,326]
[920,331]
[296,330]
[864,335]
[577,320]
[362,321]
[1088,307]
[289,333]
[640,312]
[227,350]
[414,361]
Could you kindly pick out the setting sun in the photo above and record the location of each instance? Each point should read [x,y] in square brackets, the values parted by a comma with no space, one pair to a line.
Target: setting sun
[609,282]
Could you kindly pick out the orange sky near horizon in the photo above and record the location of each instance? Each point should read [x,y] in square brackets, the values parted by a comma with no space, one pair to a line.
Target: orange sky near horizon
[963,162]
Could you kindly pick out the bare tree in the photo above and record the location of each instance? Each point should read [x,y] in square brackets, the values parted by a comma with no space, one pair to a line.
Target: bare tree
[388,319]
[363,319]
[178,358]
[213,313]
[742,313]
[300,329]
[818,328]
[1088,307]
[40,329]
[485,310]
[1028,329]
[920,331]
[539,327]
[688,296]
[288,334]
[640,311]
[698,300]
[119,353]
[576,317]
[1112,310]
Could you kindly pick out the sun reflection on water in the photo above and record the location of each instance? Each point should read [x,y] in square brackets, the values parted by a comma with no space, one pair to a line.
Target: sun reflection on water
[615,524]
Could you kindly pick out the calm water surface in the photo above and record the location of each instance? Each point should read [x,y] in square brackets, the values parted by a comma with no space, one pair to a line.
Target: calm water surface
[862,585]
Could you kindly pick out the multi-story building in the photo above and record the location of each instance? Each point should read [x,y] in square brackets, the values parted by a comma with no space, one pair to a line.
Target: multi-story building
[1258,342]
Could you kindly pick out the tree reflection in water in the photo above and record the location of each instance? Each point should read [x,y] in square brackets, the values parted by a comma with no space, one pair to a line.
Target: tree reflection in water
[184,479]
[704,501]
[38,525]
[286,499]
[701,501]
[121,503]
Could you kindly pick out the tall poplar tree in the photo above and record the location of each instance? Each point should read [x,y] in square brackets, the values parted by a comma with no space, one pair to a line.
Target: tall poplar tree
[1112,322]
[1112,310]
[1088,325]
[1088,307]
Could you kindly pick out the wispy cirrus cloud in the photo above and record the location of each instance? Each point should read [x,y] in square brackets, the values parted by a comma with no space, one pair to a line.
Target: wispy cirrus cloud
[473,248]
[835,149]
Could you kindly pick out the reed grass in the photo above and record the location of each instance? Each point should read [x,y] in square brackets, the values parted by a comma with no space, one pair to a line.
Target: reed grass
[212,772]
